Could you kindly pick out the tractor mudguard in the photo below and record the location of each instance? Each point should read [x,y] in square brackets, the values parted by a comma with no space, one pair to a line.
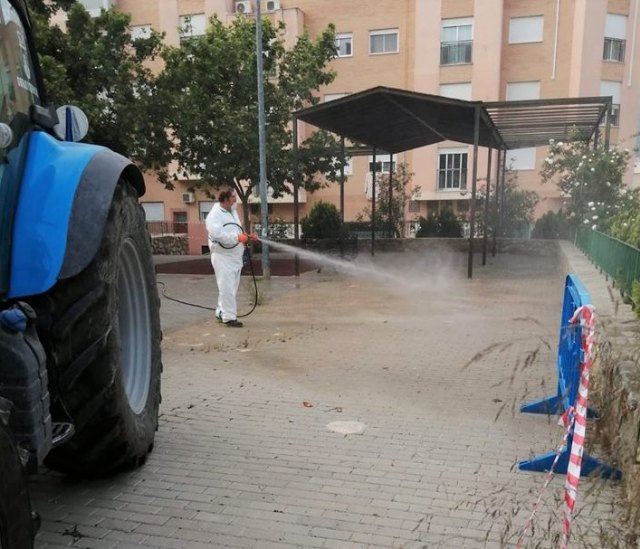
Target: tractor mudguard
[64,200]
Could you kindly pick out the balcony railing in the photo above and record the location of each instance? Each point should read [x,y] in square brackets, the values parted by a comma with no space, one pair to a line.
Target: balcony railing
[616,258]
[161,228]
[456,53]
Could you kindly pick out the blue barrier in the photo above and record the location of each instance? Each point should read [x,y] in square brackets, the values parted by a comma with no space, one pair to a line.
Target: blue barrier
[568,362]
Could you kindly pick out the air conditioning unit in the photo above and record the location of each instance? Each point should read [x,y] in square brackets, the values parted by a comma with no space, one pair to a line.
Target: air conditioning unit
[188,198]
[243,6]
[273,5]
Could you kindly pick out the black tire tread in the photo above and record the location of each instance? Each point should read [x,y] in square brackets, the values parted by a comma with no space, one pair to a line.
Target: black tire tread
[80,333]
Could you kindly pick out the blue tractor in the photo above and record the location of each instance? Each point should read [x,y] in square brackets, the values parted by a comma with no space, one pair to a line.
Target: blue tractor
[80,332]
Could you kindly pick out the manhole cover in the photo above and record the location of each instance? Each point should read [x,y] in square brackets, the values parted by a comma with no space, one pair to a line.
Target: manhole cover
[347,427]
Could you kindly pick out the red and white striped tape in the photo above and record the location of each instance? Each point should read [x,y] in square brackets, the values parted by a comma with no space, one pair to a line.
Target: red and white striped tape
[567,421]
[587,317]
[573,416]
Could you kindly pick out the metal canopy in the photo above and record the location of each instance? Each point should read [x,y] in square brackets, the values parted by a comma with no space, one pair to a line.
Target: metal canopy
[533,123]
[396,120]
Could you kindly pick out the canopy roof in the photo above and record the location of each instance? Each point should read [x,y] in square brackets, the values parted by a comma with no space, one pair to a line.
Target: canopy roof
[396,120]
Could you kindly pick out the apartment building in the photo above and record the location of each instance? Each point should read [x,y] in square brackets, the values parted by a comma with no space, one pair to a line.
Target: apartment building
[488,50]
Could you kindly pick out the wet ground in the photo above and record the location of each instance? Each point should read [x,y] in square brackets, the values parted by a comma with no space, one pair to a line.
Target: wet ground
[428,367]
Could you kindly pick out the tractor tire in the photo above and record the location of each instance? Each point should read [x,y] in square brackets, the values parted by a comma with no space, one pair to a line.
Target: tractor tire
[101,330]
[17,528]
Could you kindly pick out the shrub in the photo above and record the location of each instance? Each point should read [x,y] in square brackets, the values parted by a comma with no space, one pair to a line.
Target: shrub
[429,227]
[444,224]
[323,221]
[551,226]
[635,297]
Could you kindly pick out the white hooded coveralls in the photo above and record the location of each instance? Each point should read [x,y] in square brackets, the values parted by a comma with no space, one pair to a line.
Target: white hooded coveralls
[223,228]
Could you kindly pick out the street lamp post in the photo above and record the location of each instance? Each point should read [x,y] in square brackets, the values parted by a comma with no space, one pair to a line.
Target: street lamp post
[266,268]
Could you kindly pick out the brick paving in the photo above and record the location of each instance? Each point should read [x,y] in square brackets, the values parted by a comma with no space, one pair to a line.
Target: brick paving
[436,367]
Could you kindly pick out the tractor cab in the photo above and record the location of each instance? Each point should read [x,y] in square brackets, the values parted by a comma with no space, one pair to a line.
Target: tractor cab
[18,83]
[19,93]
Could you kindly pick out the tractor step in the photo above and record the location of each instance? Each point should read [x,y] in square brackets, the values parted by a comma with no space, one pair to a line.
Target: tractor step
[61,432]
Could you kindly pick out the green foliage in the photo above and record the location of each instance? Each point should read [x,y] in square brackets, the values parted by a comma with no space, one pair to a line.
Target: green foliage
[323,221]
[391,201]
[97,66]
[444,224]
[635,296]
[551,226]
[47,8]
[210,83]
[590,178]
[429,226]
[517,208]
[625,225]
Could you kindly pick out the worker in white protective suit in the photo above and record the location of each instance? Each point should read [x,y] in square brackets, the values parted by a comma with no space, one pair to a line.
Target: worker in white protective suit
[227,242]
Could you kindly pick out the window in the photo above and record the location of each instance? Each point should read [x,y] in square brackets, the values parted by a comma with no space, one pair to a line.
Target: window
[519,91]
[615,115]
[153,211]
[613,50]
[456,41]
[613,89]
[192,26]
[383,41]
[461,90]
[522,159]
[345,44]
[180,222]
[615,30]
[383,163]
[140,31]
[452,170]
[523,30]
[348,167]
[204,207]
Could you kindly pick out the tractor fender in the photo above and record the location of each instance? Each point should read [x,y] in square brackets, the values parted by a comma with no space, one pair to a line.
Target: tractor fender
[64,200]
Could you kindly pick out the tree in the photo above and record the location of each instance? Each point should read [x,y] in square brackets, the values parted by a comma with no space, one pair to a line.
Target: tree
[591,179]
[214,113]
[391,201]
[96,64]
[517,208]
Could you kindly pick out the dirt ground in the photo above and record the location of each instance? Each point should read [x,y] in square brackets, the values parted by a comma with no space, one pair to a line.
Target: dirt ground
[431,367]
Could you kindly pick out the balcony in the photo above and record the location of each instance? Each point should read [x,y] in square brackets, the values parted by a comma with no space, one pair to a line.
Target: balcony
[456,53]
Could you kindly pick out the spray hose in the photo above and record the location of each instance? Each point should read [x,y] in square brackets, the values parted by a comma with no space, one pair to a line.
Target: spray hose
[246,261]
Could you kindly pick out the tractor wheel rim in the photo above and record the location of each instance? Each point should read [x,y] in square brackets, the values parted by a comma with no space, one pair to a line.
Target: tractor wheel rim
[134,326]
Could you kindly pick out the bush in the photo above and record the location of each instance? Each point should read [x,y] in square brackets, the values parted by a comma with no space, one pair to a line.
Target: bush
[552,226]
[635,297]
[323,221]
[444,224]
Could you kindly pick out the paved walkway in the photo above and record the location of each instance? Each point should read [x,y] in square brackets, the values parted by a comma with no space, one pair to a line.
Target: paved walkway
[431,365]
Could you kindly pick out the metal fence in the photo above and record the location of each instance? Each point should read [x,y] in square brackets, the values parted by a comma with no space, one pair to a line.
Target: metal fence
[617,259]
[161,228]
